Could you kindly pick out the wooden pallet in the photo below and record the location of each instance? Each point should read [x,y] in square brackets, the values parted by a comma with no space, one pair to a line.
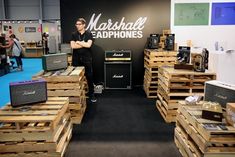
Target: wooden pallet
[150,63]
[156,53]
[68,83]
[78,115]
[150,77]
[156,58]
[71,74]
[150,92]
[167,115]
[192,134]
[171,75]
[175,85]
[45,115]
[42,128]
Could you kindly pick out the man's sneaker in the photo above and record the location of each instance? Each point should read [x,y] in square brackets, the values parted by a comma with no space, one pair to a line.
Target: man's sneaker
[93,98]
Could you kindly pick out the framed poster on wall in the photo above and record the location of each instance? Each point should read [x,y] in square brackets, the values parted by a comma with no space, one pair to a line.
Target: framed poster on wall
[30,29]
[223,14]
[5,27]
[191,14]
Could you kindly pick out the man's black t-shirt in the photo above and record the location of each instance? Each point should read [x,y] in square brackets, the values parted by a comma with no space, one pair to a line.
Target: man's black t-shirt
[76,36]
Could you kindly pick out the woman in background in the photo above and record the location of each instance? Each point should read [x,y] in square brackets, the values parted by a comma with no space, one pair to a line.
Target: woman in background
[17,50]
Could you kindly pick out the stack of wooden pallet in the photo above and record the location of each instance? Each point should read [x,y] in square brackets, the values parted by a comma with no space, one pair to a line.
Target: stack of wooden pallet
[42,129]
[177,84]
[163,38]
[153,59]
[199,137]
[68,83]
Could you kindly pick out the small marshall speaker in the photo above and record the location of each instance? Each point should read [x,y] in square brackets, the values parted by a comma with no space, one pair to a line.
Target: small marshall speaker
[122,55]
[28,92]
[153,41]
[170,42]
[117,75]
[54,61]
[219,92]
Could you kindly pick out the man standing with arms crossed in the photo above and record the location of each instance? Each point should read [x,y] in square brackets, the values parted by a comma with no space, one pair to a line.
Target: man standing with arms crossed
[81,43]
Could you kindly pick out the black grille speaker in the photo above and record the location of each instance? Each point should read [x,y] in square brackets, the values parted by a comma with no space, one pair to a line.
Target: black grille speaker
[154,41]
[54,61]
[118,75]
[28,92]
[170,42]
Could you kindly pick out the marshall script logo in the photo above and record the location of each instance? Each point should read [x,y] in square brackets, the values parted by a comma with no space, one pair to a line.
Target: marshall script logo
[117,76]
[118,54]
[116,29]
[57,61]
[29,92]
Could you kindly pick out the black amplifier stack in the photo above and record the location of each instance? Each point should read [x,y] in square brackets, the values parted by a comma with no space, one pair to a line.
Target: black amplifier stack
[118,69]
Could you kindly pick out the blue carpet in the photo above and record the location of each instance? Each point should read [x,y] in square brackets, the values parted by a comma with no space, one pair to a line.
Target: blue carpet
[31,67]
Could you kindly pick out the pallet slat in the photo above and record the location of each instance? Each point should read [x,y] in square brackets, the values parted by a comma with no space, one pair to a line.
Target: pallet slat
[212,143]
[175,85]
[70,82]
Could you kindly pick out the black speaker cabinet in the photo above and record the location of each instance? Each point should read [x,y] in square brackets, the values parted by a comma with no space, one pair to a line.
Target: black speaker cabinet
[118,75]
[54,61]
[28,92]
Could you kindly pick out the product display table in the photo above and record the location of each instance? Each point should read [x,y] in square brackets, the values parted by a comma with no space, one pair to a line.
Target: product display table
[177,84]
[40,129]
[71,83]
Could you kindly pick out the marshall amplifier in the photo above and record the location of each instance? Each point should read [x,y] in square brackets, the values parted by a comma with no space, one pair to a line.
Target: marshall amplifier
[117,75]
[28,92]
[54,61]
[219,92]
[122,55]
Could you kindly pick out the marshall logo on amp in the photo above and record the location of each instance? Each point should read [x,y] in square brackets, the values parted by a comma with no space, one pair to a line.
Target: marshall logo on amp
[118,55]
[117,76]
[28,92]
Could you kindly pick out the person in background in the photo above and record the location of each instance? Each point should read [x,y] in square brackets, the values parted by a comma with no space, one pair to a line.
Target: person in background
[81,43]
[45,43]
[17,50]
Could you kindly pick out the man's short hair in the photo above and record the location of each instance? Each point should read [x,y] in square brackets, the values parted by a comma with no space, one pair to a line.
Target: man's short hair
[82,20]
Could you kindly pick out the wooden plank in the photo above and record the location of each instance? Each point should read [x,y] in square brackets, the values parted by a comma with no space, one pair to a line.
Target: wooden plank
[210,142]
[29,113]
[67,71]
[27,118]
[64,93]
[32,154]
[77,85]
[27,147]
[78,71]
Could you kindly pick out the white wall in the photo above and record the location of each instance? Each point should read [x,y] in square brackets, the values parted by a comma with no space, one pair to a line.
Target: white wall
[206,35]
